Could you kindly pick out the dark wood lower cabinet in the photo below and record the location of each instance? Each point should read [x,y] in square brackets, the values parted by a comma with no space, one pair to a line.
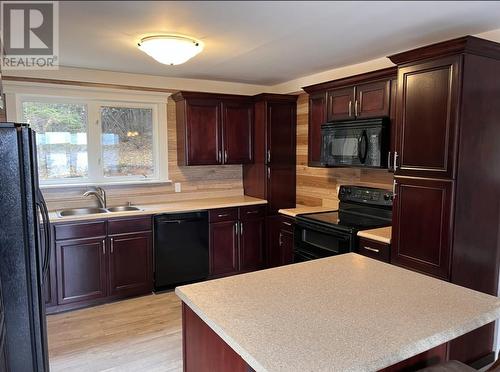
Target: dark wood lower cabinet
[81,270]
[252,244]
[203,350]
[422,225]
[280,240]
[223,250]
[92,267]
[237,244]
[130,264]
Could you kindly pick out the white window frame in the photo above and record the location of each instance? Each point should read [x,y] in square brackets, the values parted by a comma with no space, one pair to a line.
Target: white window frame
[94,99]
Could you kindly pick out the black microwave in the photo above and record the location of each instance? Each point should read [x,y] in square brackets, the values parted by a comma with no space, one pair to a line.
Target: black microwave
[357,143]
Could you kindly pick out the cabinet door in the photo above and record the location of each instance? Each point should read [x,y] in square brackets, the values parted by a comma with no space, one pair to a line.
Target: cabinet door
[372,99]
[340,104]
[223,250]
[203,132]
[130,264]
[280,243]
[422,225]
[280,188]
[317,116]
[237,128]
[251,244]
[281,133]
[81,270]
[427,101]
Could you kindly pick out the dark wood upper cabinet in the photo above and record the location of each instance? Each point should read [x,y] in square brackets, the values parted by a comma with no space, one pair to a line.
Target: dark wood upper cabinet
[81,270]
[223,250]
[357,97]
[372,99]
[422,227]
[428,95]
[317,117]
[213,128]
[203,132]
[130,263]
[237,119]
[281,133]
[340,104]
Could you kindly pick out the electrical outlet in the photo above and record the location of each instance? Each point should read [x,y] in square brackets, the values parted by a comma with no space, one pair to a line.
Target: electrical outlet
[177,187]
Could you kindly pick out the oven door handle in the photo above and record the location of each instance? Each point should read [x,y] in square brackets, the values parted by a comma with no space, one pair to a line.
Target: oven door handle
[363,147]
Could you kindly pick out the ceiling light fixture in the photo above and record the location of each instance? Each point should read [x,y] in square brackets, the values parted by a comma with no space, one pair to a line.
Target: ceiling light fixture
[170,49]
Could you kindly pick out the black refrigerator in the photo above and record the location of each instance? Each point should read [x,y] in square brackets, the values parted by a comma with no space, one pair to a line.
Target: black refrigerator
[24,253]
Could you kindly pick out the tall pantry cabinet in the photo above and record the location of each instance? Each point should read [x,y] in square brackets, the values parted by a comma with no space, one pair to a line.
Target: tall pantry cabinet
[446,213]
[272,175]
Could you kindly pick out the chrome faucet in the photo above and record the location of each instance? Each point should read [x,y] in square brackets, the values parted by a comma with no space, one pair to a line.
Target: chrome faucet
[100,194]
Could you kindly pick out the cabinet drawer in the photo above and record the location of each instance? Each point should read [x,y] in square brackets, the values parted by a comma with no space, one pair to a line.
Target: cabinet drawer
[287,223]
[129,225]
[79,230]
[377,250]
[252,211]
[223,214]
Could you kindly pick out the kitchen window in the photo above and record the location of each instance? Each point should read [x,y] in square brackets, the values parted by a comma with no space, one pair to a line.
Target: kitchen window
[91,141]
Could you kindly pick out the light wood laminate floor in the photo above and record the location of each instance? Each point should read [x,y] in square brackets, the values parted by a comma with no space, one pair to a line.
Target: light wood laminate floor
[141,334]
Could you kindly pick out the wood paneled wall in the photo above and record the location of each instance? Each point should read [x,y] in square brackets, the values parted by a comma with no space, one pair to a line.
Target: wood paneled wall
[318,186]
[197,182]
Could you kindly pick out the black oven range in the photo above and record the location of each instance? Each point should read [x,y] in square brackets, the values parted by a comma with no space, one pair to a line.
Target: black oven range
[325,234]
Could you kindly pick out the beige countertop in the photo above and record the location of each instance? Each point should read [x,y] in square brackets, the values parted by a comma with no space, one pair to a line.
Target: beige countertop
[382,234]
[178,206]
[300,209]
[292,318]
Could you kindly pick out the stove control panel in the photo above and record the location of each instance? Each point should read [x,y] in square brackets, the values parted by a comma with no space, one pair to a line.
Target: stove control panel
[365,195]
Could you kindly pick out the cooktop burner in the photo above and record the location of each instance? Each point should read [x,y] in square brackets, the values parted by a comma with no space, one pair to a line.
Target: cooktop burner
[345,220]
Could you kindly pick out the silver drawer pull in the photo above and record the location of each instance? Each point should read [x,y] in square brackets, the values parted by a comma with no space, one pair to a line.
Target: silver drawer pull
[287,223]
[223,215]
[252,212]
[372,249]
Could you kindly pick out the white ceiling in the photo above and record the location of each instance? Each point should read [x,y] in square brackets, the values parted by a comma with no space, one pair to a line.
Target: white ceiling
[261,42]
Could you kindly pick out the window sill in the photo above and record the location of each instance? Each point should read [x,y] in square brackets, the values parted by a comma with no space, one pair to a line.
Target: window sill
[104,184]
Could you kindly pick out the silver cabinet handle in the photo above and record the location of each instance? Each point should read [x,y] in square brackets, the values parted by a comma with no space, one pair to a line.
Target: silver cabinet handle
[104,246]
[268,173]
[350,108]
[268,156]
[287,223]
[236,228]
[241,228]
[395,167]
[280,241]
[394,190]
[112,241]
[223,215]
[252,212]
[356,108]
[389,161]
[219,156]
[225,156]
[372,249]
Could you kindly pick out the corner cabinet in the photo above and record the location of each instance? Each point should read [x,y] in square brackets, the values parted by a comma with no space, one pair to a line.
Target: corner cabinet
[357,97]
[213,129]
[272,176]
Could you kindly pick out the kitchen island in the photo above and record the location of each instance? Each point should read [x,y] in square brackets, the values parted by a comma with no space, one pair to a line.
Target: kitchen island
[343,313]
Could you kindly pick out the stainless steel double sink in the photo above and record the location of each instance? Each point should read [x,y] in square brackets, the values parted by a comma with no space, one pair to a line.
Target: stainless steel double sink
[85,211]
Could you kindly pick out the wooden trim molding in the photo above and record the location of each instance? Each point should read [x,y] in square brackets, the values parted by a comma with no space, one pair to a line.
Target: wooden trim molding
[467,44]
[382,74]
[86,84]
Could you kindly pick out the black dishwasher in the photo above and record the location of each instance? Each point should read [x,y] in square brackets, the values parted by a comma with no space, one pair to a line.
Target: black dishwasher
[181,248]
